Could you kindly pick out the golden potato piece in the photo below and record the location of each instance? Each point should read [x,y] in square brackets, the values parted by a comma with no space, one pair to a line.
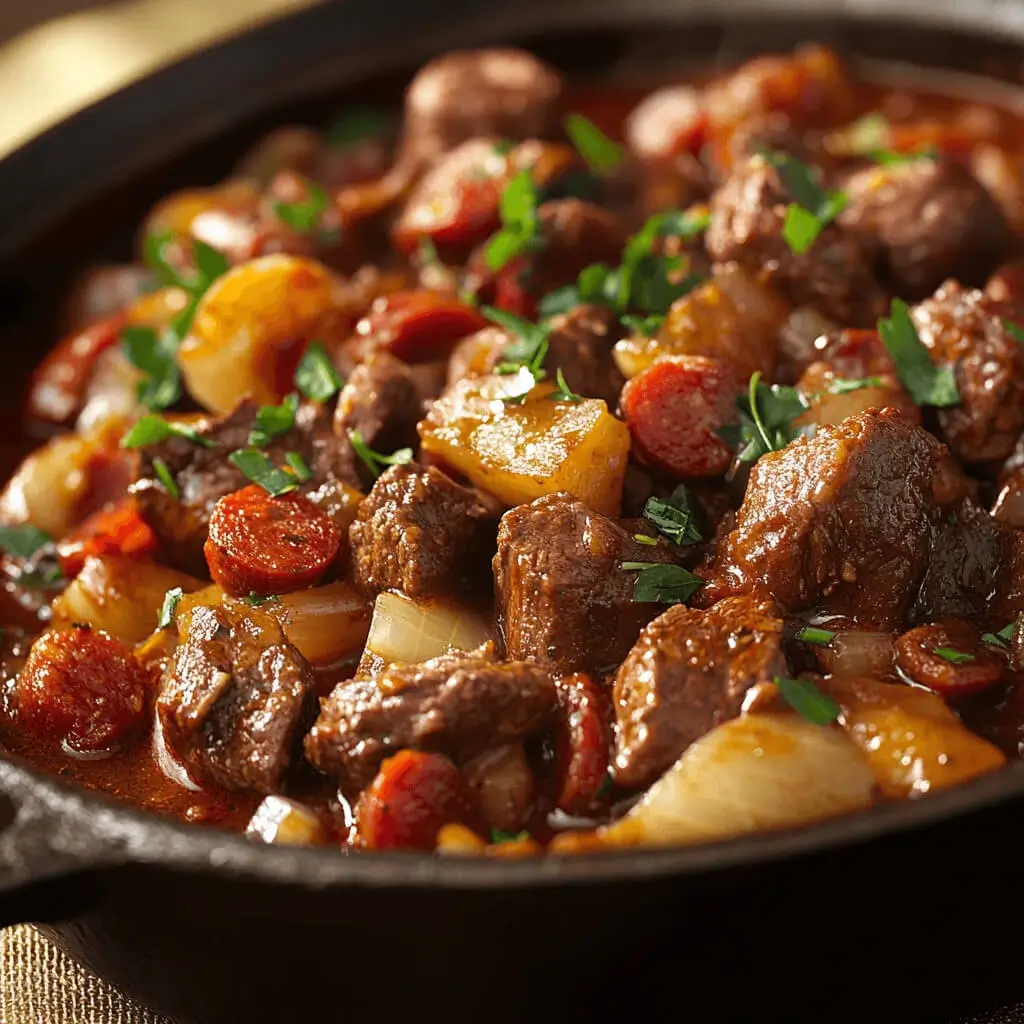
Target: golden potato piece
[518,452]
[914,743]
[251,328]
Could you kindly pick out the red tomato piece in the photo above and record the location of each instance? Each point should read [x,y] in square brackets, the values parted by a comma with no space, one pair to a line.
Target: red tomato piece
[673,410]
[419,326]
[83,689]
[413,795]
[582,744]
[59,381]
[116,530]
[259,544]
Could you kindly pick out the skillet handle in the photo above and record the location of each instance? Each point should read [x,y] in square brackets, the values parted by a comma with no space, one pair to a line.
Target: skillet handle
[50,848]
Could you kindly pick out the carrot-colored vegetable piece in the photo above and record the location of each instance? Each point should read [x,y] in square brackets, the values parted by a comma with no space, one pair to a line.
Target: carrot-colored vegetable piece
[81,688]
[259,544]
[116,530]
[419,326]
[674,409]
[413,795]
[951,660]
[581,744]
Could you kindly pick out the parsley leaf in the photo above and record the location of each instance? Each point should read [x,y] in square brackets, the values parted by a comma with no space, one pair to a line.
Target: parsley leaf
[261,471]
[890,158]
[645,325]
[1002,638]
[1014,330]
[273,420]
[518,232]
[844,385]
[304,215]
[498,836]
[662,583]
[163,474]
[209,263]
[316,376]
[951,654]
[813,207]
[675,517]
[766,419]
[23,541]
[684,224]
[527,352]
[153,429]
[927,383]
[374,461]
[600,153]
[167,609]
[806,699]
[815,635]
[156,355]
[564,393]
[297,464]
[255,600]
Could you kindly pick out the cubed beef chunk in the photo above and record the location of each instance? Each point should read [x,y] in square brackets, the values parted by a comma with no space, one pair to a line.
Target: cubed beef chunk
[932,220]
[834,275]
[839,521]
[202,474]
[420,532]
[458,704]
[562,598]
[505,92]
[236,699]
[580,345]
[688,672]
[1009,504]
[964,329]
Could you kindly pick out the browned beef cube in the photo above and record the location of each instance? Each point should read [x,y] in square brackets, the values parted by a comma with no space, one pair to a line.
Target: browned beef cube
[834,276]
[420,532]
[563,599]
[236,699]
[964,329]
[840,521]
[580,345]
[458,704]
[932,220]
[688,672]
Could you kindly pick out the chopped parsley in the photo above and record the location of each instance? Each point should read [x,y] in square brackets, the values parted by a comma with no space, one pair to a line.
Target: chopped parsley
[675,517]
[518,232]
[890,158]
[643,538]
[527,352]
[927,383]
[304,215]
[256,467]
[23,541]
[844,385]
[813,207]
[40,576]
[209,263]
[273,420]
[255,600]
[806,699]
[167,609]
[600,153]
[163,474]
[563,393]
[374,461]
[316,376]
[498,836]
[816,635]
[297,464]
[766,419]
[662,583]
[1002,638]
[1014,330]
[153,429]
[952,655]
[645,325]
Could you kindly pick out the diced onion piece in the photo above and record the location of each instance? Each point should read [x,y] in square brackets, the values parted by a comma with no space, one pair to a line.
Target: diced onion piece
[750,774]
[521,451]
[120,595]
[914,743]
[278,820]
[408,632]
[729,317]
[827,407]
[858,653]
[111,392]
[459,840]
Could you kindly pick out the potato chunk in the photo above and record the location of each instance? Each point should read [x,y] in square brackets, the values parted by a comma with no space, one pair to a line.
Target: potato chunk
[914,743]
[521,451]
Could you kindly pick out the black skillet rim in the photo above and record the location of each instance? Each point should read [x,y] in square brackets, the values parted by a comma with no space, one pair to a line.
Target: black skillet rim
[116,833]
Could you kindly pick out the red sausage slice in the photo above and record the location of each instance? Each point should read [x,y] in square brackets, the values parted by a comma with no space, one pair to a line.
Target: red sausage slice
[259,544]
[582,743]
[949,658]
[413,795]
[674,409]
[81,688]
[117,530]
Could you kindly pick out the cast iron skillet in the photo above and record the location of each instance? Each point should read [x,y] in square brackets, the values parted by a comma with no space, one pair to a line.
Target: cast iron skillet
[210,928]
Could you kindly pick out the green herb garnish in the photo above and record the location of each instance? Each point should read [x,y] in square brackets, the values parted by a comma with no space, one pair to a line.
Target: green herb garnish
[645,325]
[273,420]
[518,232]
[374,461]
[815,635]
[643,538]
[927,383]
[255,600]
[428,252]
[951,654]
[155,353]
[1002,638]
[527,352]
[600,153]
[1014,330]
[766,419]
[316,376]
[675,517]
[304,215]
[23,541]
[498,836]
[163,474]
[167,609]
[153,429]
[297,464]
[563,393]
[662,583]
[890,158]
[806,699]
[255,466]
[813,207]
[845,385]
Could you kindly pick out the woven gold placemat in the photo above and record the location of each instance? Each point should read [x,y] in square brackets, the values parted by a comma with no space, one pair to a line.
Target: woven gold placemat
[41,985]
